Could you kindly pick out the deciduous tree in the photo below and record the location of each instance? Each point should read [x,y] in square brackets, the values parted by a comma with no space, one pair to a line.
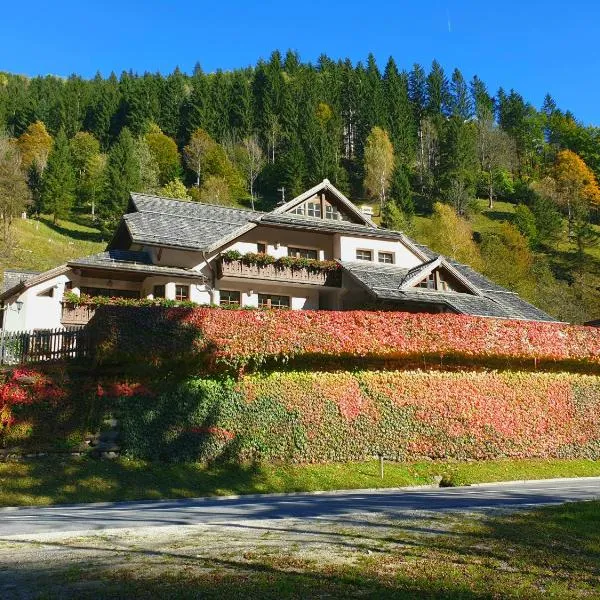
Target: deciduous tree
[14,193]
[379,164]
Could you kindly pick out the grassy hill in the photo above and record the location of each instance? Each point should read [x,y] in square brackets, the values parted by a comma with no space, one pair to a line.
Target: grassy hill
[40,244]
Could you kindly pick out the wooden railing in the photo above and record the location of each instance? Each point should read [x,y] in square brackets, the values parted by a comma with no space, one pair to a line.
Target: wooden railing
[73,314]
[302,275]
[24,347]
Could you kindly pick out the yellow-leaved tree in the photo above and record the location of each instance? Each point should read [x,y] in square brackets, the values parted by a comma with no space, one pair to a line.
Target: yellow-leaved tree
[578,192]
[379,164]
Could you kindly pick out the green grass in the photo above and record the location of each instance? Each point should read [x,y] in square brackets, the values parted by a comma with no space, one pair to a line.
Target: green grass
[552,552]
[54,481]
[42,245]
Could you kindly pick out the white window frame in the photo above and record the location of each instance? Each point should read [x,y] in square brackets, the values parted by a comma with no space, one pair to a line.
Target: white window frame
[386,253]
[364,250]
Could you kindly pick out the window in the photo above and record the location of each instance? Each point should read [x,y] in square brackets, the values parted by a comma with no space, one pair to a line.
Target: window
[299,210]
[302,253]
[313,209]
[159,291]
[364,255]
[272,301]
[386,257]
[229,298]
[331,212]
[47,293]
[261,247]
[182,292]
[428,282]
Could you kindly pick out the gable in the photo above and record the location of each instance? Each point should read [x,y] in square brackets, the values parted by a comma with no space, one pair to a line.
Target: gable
[324,205]
[441,280]
[324,201]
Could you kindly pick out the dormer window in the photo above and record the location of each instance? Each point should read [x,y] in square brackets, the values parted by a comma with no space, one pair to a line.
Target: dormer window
[331,212]
[429,282]
[299,210]
[313,209]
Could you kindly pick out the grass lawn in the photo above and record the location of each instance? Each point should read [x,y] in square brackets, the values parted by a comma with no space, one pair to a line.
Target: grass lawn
[42,245]
[55,481]
[553,552]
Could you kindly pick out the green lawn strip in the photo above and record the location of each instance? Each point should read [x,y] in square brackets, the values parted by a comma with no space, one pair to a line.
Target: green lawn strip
[552,552]
[55,481]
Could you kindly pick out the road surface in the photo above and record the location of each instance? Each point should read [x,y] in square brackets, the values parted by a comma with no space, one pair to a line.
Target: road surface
[327,505]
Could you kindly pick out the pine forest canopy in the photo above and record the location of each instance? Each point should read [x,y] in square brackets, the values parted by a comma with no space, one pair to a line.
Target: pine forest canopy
[406,139]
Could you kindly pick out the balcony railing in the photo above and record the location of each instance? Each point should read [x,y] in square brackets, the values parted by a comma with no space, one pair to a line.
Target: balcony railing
[73,314]
[277,273]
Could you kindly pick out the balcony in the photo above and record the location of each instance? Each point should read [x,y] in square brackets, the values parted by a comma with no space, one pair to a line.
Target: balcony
[73,314]
[279,273]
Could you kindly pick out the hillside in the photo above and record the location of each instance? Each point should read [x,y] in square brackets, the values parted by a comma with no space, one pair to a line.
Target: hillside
[41,245]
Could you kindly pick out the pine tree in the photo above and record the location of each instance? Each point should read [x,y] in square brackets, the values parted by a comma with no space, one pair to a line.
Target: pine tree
[460,102]
[58,180]
[399,115]
[438,92]
[122,177]
[401,192]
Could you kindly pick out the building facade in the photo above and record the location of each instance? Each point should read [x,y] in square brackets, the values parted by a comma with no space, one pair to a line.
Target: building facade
[317,251]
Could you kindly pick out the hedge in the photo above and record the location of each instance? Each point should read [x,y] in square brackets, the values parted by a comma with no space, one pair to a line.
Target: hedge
[211,340]
[404,415]
[315,416]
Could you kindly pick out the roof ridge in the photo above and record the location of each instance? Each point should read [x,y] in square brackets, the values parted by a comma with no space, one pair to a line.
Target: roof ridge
[204,220]
[196,203]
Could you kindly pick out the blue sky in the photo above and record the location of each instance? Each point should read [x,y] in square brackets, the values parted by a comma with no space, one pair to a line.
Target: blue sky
[530,45]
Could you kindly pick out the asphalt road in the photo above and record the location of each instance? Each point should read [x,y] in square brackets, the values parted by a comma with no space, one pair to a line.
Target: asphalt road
[329,505]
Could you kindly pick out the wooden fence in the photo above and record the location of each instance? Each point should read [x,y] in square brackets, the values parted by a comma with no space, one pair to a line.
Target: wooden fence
[23,347]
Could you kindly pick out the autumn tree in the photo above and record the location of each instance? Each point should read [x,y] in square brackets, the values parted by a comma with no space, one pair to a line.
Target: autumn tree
[14,193]
[578,190]
[165,153]
[252,162]
[378,164]
[215,190]
[452,236]
[195,152]
[35,144]
[58,181]
[175,189]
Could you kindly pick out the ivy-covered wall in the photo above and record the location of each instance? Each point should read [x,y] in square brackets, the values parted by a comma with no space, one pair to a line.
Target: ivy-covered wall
[287,386]
[339,416]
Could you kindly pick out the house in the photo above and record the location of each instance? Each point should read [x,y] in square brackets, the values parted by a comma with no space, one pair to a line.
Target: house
[317,251]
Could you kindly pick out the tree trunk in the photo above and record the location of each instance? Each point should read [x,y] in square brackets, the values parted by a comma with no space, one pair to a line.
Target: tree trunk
[490,190]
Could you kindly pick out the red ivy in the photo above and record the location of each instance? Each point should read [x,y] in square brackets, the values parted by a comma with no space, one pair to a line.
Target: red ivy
[237,338]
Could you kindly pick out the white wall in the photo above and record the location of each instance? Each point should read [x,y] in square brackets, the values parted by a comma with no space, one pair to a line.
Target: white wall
[347,247]
[37,312]
[300,298]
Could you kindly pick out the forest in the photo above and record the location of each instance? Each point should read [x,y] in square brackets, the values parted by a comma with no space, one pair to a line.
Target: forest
[434,153]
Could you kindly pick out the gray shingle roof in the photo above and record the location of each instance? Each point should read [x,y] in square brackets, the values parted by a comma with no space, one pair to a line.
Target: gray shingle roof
[131,262]
[385,281]
[327,225]
[183,224]
[13,278]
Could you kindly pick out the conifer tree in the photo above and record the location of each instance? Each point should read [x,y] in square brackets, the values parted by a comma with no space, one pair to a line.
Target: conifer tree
[58,180]
[122,177]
